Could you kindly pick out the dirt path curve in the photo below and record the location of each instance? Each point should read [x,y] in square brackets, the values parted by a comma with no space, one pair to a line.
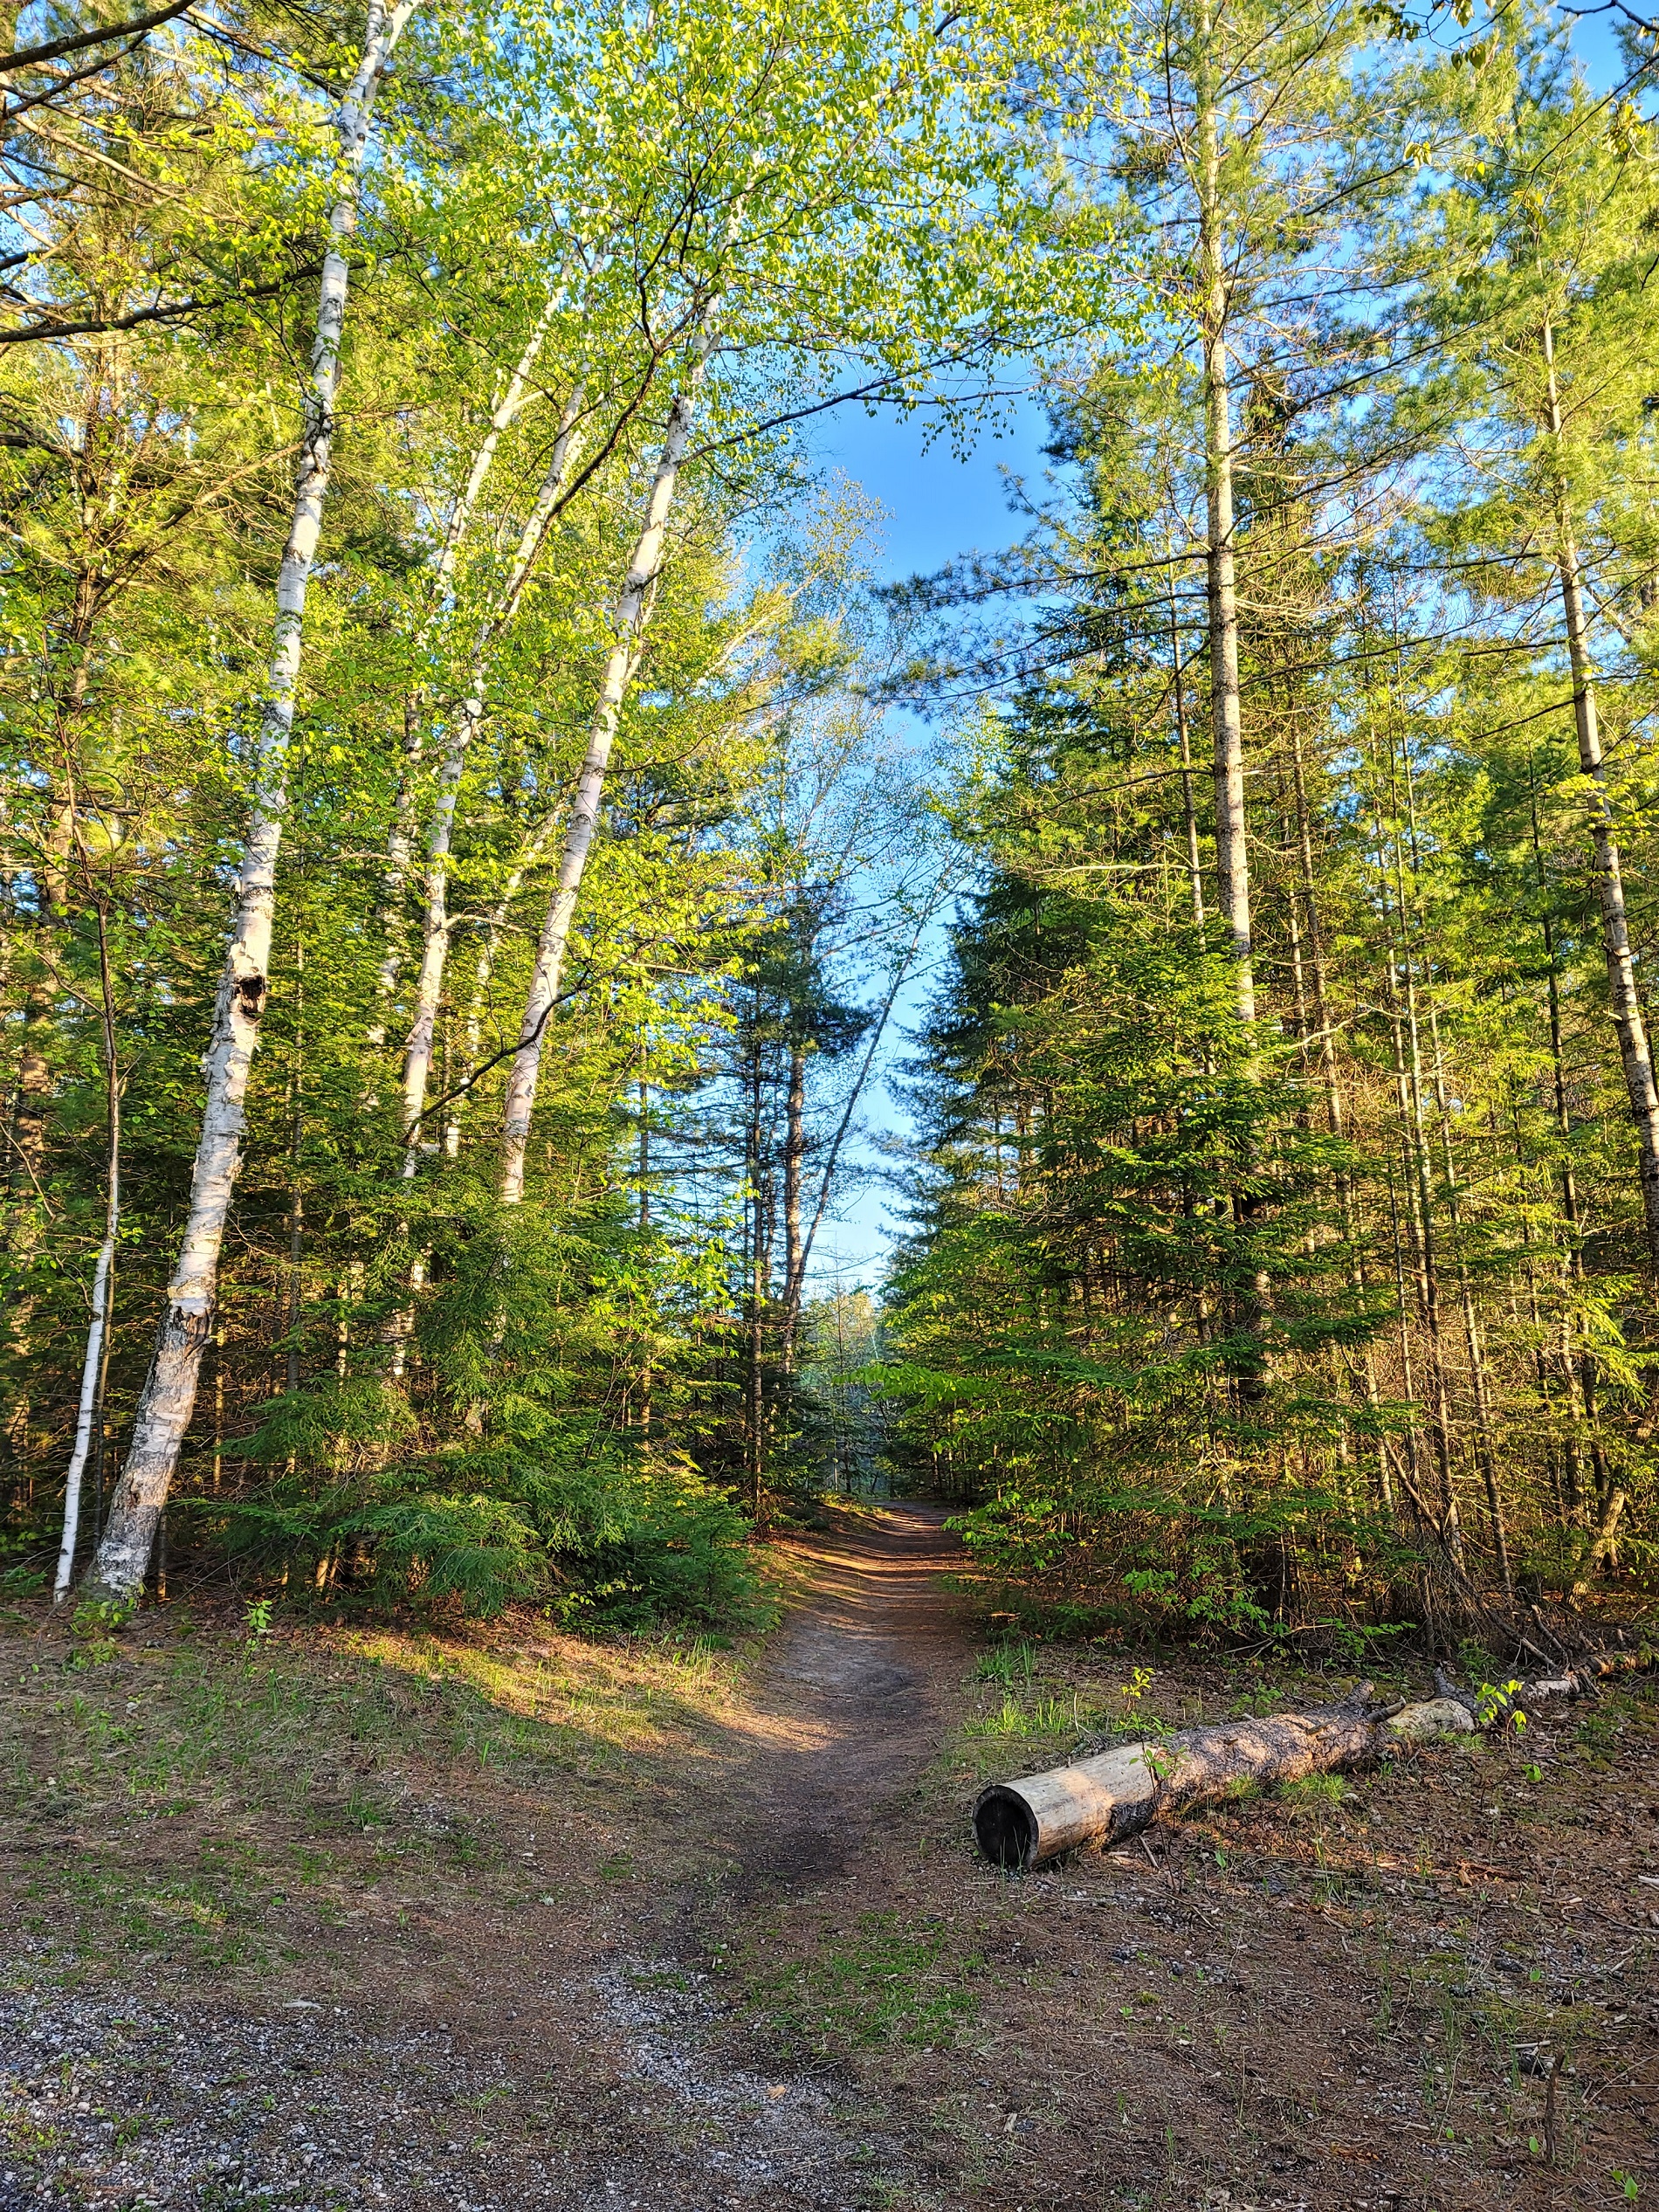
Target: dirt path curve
[852,1700]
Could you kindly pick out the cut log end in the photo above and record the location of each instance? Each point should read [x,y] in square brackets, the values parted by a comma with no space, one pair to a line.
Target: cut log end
[1006,1828]
[1101,1800]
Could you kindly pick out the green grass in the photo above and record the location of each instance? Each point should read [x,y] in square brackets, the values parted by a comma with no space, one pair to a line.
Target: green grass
[1008,1664]
[1043,1717]
[880,1984]
[210,1777]
[1310,1795]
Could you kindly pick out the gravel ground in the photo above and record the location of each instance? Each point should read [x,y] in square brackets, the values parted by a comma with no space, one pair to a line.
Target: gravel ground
[136,2105]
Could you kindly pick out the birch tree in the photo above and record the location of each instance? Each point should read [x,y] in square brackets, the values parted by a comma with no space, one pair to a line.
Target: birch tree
[633,606]
[169,1398]
[417,1058]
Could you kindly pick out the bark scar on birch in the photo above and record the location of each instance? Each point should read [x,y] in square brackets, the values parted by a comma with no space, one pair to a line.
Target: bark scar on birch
[250,994]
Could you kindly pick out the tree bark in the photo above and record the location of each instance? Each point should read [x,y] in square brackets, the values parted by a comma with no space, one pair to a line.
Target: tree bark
[1195,868]
[1232,856]
[1021,1825]
[399,846]
[795,1153]
[92,1368]
[1625,1003]
[168,1396]
[1603,1544]
[633,612]
[417,1058]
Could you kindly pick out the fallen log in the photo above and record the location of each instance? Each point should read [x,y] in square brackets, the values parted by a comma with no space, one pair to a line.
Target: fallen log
[1117,1792]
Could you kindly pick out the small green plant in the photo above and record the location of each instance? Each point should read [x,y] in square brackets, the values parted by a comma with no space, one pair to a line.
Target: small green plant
[1494,1701]
[1311,1793]
[97,1619]
[1007,1663]
[258,1620]
[1049,1717]
[1358,1645]
[1135,1689]
[1628,2182]
[1532,1774]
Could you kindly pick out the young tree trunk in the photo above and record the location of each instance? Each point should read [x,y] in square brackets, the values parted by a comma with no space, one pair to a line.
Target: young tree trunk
[1485,1448]
[417,1058]
[399,843]
[795,1153]
[1232,856]
[633,612]
[394,917]
[168,1396]
[1625,1004]
[295,1314]
[1612,1515]
[28,1209]
[760,1281]
[93,1364]
[496,922]
[923,913]
[1195,868]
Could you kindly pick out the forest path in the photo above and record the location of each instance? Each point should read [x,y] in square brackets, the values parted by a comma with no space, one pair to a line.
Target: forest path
[852,1700]
[701,1935]
[839,1721]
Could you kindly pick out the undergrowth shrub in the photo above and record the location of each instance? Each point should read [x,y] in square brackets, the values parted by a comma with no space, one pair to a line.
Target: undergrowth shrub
[1094,1559]
[549,1508]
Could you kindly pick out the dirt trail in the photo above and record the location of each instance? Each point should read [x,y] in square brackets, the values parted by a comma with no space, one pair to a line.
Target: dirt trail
[851,1702]
[841,1717]
[706,1947]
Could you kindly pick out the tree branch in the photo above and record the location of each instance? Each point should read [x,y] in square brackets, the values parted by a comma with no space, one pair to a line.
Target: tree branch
[101,35]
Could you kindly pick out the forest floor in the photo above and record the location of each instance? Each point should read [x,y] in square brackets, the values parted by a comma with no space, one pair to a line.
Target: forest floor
[343,1917]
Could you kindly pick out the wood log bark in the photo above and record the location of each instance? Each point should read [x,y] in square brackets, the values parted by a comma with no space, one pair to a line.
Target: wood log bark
[1101,1800]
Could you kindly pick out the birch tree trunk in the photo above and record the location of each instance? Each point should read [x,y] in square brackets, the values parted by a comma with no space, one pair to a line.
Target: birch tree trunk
[472,1032]
[399,845]
[418,1057]
[633,611]
[1626,1005]
[168,1396]
[92,1364]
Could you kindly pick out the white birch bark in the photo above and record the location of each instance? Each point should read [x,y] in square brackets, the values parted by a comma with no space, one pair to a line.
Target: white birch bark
[417,1056]
[633,611]
[485,969]
[399,843]
[168,1396]
[87,1405]
[91,1366]
[511,407]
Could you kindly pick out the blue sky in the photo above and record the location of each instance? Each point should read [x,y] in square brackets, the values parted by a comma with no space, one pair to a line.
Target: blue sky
[937,507]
